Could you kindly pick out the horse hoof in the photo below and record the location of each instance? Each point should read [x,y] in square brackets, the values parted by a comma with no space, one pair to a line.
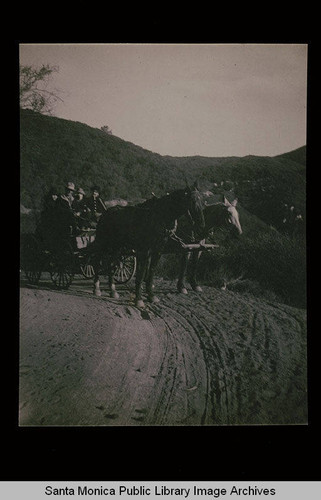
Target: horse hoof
[140,304]
[114,295]
[197,289]
[97,293]
[154,300]
[183,291]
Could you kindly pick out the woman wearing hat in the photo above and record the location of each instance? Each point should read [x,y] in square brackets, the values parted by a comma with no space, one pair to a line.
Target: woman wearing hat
[57,220]
[50,198]
[47,215]
[79,204]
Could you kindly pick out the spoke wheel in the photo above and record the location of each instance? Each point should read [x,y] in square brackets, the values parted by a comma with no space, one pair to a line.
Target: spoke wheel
[33,276]
[124,269]
[86,267]
[62,267]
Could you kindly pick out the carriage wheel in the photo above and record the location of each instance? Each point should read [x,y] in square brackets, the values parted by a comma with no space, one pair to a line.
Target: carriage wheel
[62,267]
[31,259]
[86,268]
[125,269]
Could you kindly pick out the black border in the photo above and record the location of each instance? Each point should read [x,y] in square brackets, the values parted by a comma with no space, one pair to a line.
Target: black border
[247,453]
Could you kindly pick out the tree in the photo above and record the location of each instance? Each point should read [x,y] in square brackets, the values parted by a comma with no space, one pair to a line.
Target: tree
[107,130]
[34,91]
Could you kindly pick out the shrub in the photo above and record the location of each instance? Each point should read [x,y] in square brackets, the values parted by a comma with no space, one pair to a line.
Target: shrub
[276,261]
[270,264]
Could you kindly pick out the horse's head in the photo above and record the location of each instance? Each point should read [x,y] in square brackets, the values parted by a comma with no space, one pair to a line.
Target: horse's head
[178,203]
[222,216]
[232,216]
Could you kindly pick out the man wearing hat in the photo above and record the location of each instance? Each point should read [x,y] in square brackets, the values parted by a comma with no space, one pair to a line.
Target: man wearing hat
[65,219]
[68,197]
[95,205]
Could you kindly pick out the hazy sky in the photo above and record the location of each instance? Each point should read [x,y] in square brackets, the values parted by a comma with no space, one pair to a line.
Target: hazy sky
[184,99]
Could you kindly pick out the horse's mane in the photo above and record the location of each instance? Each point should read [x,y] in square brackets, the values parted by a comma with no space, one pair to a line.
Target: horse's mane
[156,210]
[218,210]
[166,205]
[157,201]
[215,214]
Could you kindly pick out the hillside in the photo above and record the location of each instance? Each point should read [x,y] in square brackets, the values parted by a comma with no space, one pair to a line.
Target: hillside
[54,151]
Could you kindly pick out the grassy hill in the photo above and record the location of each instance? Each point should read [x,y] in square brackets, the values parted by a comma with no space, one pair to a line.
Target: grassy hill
[271,193]
[54,151]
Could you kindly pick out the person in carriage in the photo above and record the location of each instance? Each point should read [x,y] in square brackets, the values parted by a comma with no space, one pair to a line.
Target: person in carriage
[83,215]
[79,205]
[47,216]
[95,206]
[50,198]
[66,200]
[57,221]
[80,209]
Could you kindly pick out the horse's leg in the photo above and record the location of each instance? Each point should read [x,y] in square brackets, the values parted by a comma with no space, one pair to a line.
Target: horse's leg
[112,287]
[193,272]
[142,263]
[150,277]
[96,266]
[181,286]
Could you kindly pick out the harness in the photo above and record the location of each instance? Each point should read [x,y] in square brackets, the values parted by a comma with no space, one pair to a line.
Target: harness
[173,236]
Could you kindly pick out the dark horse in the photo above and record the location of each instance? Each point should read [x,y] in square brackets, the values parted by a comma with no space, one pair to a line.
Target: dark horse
[217,216]
[144,228]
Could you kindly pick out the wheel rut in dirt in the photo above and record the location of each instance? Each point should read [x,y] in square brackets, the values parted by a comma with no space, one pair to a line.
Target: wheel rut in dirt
[215,358]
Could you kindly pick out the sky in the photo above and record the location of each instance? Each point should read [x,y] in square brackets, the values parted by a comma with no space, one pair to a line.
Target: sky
[211,100]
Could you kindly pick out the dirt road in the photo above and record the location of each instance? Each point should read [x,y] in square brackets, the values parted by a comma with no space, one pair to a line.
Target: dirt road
[216,358]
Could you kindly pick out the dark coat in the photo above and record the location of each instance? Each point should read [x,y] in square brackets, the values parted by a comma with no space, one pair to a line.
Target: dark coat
[79,206]
[58,222]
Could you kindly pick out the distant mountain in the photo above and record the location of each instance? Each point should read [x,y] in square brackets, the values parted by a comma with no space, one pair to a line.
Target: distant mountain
[54,151]
[298,156]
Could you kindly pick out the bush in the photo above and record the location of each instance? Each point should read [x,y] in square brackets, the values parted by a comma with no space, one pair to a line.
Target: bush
[271,264]
[275,261]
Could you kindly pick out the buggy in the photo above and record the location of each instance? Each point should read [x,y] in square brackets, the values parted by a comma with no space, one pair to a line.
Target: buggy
[65,257]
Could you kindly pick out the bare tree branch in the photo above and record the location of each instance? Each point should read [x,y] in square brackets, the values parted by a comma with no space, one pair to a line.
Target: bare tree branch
[34,92]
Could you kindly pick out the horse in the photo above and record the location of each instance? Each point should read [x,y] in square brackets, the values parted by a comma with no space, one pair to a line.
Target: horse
[217,216]
[144,229]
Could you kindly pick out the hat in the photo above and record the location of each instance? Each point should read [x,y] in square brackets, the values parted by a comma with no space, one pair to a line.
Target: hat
[70,186]
[81,191]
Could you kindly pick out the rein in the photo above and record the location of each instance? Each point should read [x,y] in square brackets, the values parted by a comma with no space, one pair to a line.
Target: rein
[190,218]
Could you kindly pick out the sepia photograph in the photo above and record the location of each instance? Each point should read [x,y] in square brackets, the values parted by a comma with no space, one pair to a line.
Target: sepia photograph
[163,234]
